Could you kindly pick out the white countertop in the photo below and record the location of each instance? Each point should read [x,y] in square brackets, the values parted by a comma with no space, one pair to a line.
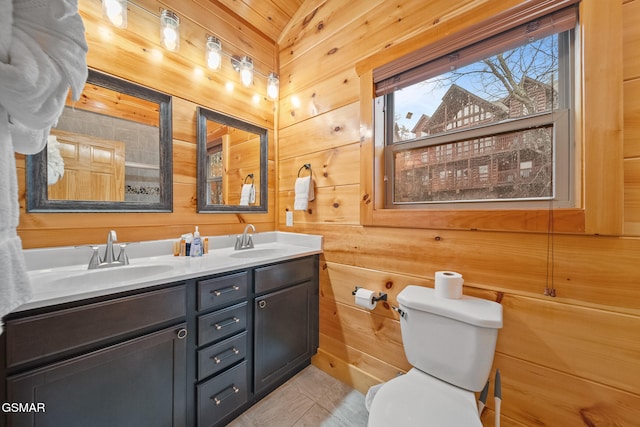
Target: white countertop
[56,276]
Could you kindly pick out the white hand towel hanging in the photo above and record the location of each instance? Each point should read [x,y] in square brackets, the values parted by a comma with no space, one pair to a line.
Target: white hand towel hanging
[55,162]
[247,195]
[304,193]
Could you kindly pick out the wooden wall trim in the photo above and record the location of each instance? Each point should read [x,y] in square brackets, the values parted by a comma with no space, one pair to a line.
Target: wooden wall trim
[600,146]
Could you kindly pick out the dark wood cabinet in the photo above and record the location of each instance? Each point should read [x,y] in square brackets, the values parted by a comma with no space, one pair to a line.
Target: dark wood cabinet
[117,362]
[197,353]
[140,382]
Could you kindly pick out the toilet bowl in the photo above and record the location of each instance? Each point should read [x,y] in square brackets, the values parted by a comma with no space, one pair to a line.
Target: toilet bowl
[450,343]
[418,399]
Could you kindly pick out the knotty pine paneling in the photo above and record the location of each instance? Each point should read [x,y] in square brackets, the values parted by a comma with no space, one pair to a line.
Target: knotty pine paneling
[631,39]
[632,117]
[569,360]
[335,166]
[332,129]
[135,54]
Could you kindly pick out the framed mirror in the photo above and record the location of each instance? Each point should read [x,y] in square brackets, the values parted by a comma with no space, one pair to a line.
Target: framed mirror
[232,164]
[110,152]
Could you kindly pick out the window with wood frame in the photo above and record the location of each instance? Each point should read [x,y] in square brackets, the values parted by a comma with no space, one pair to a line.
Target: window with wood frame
[483,124]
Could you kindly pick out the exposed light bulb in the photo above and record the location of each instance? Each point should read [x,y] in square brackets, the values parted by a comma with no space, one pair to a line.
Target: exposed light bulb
[214,53]
[246,71]
[169,30]
[273,86]
[116,12]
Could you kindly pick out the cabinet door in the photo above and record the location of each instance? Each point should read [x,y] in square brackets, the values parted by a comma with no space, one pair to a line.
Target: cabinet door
[282,333]
[140,382]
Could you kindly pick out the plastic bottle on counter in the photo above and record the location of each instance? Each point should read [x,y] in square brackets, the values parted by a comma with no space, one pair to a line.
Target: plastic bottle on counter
[196,244]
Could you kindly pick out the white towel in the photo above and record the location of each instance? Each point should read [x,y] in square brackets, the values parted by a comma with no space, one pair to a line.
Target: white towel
[42,53]
[247,195]
[55,162]
[304,193]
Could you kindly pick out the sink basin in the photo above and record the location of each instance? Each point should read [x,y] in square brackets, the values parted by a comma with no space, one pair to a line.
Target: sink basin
[101,277]
[254,253]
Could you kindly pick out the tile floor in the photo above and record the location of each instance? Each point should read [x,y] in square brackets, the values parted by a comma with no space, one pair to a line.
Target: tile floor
[311,398]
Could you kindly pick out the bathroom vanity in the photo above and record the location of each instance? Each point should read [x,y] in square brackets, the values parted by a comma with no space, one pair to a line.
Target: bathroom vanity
[193,351]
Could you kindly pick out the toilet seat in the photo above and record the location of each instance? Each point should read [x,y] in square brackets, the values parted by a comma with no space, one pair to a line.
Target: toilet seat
[418,399]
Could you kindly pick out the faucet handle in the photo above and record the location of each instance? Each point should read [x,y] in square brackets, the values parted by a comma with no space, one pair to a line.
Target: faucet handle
[95,260]
[122,256]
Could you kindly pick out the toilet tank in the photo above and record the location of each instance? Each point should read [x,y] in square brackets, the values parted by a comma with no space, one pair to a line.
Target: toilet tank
[451,339]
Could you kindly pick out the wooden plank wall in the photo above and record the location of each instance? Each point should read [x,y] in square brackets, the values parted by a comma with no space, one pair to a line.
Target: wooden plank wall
[573,360]
[135,54]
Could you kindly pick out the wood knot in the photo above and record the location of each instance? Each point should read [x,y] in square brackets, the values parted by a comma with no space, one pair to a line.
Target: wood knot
[307,19]
[437,238]
[337,129]
[310,211]
[332,51]
[389,284]
[499,297]
[320,26]
[365,197]
[336,205]
[325,174]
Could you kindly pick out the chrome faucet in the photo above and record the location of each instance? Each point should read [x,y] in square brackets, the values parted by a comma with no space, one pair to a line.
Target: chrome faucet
[109,256]
[109,259]
[244,240]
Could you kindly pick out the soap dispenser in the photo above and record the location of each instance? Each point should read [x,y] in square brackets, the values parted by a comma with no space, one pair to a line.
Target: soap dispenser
[196,244]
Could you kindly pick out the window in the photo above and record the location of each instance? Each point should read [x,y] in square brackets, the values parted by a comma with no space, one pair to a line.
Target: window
[487,124]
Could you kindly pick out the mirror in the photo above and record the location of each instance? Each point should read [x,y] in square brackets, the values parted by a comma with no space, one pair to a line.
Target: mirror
[110,151]
[232,164]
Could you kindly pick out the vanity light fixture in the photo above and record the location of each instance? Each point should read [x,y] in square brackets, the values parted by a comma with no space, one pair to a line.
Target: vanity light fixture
[244,66]
[116,12]
[273,86]
[169,30]
[214,53]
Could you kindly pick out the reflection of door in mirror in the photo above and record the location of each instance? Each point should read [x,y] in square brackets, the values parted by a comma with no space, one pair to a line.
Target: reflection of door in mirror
[93,161]
[109,142]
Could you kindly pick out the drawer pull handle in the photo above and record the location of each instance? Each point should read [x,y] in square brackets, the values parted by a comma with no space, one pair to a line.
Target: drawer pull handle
[226,323]
[220,357]
[182,333]
[218,292]
[224,394]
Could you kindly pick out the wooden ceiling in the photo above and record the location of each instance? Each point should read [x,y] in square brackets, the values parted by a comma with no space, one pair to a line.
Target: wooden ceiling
[270,17]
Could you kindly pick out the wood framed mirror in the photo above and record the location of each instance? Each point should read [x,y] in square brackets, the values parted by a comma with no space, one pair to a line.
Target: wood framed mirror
[110,152]
[232,164]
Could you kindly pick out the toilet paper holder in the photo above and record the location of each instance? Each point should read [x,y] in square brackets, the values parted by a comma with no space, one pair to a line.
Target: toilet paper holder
[382,297]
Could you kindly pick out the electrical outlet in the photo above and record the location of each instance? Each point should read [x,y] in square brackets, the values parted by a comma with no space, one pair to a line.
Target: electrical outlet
[289,218]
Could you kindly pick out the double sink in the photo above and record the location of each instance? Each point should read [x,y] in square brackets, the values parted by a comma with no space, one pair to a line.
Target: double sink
[56,277]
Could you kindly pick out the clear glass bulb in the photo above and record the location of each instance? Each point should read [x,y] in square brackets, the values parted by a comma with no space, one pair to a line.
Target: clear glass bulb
[273,86]
[116,12]
[246,71]
[169,30]
[214,53]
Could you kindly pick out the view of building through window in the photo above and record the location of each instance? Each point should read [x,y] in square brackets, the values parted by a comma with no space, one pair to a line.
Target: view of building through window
[491,163]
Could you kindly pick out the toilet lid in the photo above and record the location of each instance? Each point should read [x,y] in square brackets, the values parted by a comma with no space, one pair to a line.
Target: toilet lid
[418,399]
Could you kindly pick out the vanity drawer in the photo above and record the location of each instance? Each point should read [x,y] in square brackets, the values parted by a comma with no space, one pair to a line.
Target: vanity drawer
[222,323]
[221,395]
[284,274]
[71,330]
[221,290]
[222,355]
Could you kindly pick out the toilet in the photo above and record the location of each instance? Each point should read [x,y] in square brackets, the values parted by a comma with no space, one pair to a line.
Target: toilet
[450,343]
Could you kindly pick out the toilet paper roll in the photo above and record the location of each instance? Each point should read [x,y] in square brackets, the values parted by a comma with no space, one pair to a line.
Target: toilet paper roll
[364,298]
[448,284]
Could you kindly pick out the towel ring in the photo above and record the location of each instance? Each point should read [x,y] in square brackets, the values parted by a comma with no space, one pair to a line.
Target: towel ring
[250,176]
[305,166]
